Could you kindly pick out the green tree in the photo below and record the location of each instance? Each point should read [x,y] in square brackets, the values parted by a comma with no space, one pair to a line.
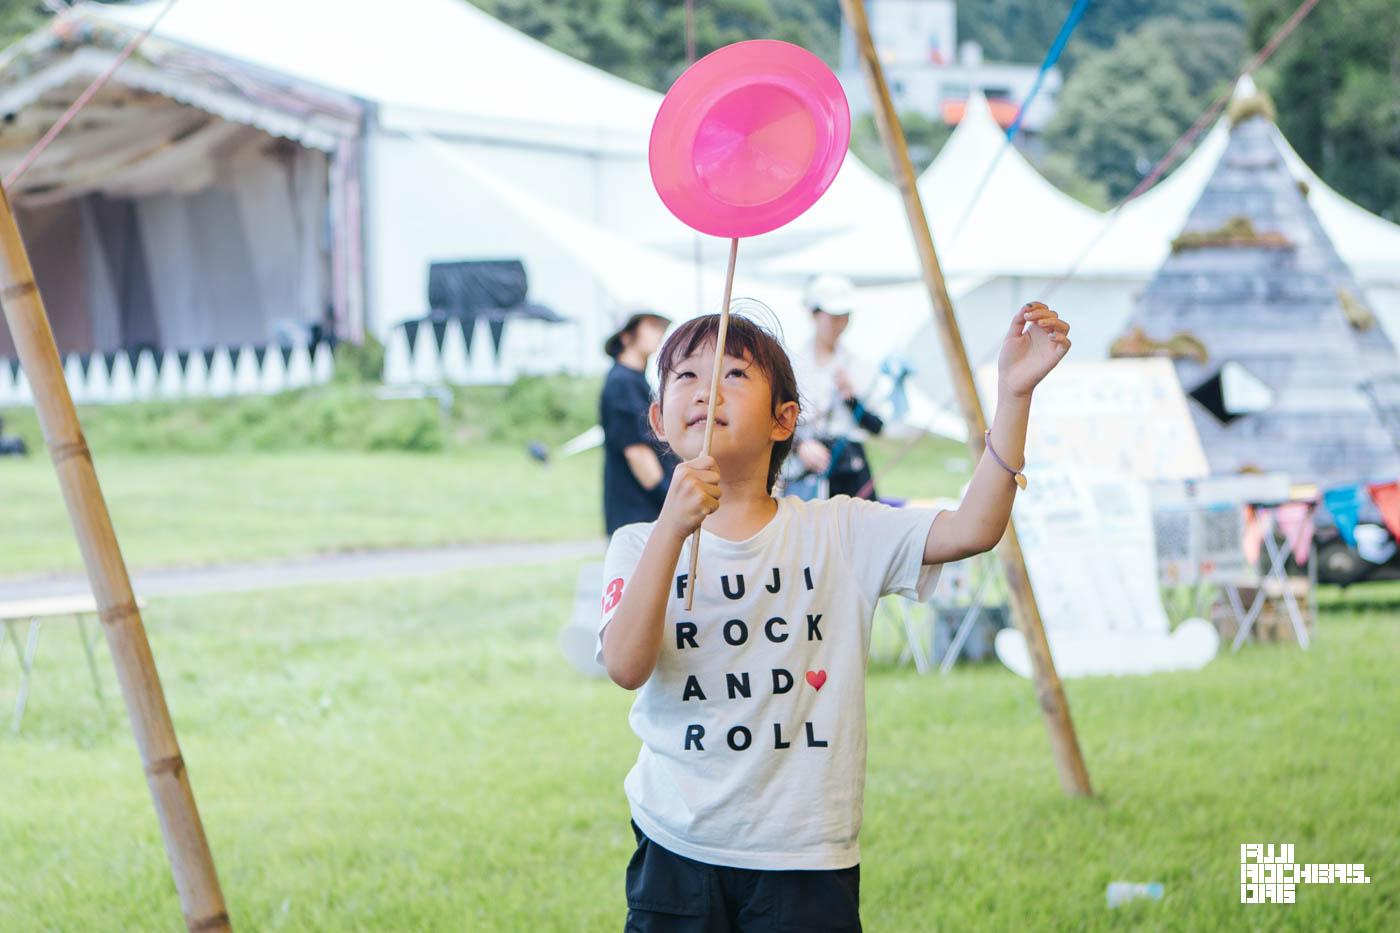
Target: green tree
[644,40]
[1012,30]
[601,32]
[1107,21]
[19,17]
[1022,30]
[1336,85]
[717,23]
[1123,107]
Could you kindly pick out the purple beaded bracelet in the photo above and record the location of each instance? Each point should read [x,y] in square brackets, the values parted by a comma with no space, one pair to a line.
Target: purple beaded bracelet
[1017,475]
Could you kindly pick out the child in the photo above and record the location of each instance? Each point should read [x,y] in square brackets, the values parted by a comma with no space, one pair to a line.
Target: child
[746,797]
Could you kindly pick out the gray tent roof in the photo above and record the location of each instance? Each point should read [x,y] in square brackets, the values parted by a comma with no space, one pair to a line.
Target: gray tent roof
[1277,312]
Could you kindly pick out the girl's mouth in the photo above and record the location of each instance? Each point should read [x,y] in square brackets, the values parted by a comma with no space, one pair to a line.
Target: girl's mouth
[700,420]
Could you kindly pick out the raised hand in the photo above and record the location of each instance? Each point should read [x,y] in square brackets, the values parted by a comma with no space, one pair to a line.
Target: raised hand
[1029,353]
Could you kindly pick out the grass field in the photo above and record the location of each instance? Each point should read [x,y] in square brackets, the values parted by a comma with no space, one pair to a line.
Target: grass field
[192,508]
[421,758]
[199,509]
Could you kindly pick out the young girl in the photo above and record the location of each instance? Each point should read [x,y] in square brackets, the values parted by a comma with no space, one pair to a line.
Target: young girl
[746,797]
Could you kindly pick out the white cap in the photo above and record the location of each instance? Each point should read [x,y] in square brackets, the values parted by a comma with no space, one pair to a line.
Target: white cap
[834,294]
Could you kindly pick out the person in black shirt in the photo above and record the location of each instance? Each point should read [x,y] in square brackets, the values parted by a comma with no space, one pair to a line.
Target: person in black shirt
[637,468]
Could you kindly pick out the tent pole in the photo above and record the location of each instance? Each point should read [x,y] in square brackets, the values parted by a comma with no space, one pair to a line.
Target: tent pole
[1074,777]
[185,844]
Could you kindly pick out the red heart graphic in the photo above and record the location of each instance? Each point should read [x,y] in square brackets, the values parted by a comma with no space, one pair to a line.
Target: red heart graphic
[816,679]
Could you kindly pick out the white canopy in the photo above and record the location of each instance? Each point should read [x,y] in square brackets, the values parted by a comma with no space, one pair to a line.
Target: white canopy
[445,66]
[630,273]
[1140,237]
[423,61]
[1132,245]
[510,108]
[1020,224]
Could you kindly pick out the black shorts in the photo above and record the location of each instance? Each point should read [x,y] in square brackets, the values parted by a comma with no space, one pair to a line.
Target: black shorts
[669,892]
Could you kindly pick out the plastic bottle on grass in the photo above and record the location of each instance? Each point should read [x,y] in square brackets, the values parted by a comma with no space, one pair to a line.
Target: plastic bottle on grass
[1120,892]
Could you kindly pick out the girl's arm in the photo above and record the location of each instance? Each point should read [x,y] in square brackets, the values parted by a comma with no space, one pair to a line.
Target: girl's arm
[632,640]
[979,522]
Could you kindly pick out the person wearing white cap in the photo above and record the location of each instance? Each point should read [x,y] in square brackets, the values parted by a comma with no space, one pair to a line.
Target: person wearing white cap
[636,467]
[829,457]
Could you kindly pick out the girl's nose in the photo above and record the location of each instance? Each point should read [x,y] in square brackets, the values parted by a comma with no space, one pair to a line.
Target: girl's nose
[702,395]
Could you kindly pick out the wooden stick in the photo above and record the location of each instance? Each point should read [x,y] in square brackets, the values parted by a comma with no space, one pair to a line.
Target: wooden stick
[185,844]
[710,413]
[1074,777]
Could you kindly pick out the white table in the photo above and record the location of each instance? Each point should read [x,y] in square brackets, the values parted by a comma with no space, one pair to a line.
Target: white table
[36,611]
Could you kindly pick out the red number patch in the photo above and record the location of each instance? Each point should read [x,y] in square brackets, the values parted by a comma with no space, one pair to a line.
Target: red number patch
[612,595]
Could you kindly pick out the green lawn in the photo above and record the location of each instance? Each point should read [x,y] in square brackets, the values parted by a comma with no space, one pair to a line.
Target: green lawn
[204,508]
[196,508]
[420,757]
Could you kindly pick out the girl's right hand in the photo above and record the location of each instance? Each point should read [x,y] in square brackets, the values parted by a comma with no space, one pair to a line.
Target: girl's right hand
[694,494]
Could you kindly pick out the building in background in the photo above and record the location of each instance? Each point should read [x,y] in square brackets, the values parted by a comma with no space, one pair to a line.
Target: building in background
[930,72]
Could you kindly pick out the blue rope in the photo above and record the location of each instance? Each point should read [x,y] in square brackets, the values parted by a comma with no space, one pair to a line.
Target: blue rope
[1051,57]
[1076,13]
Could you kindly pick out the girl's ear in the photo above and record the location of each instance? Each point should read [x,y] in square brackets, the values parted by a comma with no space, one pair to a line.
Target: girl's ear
[785,421]
[654,418]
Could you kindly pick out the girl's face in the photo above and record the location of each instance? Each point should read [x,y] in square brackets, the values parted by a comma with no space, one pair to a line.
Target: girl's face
[746,426]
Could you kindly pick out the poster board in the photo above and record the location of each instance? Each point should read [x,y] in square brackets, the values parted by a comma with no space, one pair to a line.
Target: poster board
[1099,434]
[1123,417]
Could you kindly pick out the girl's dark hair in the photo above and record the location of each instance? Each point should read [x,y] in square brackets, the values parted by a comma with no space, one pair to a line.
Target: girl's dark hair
[744,339]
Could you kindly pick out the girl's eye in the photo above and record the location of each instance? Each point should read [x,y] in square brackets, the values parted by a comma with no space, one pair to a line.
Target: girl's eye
[685,374]
[738,372]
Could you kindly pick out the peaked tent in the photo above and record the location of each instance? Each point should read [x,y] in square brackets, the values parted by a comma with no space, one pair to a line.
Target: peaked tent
[1021,225]
[1256,279]
[1113,261]
[1136,242]
[1020,235]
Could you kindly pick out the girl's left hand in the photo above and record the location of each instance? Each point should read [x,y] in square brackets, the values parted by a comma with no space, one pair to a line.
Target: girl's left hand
[1027,355]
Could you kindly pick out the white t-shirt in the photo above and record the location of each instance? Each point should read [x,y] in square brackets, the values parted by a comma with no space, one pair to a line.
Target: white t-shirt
[824,411]
[753,721]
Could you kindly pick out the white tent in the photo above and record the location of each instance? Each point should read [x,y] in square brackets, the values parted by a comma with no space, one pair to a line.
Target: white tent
[173,215]
[1023,227]
[418,115]
[1029,237]
[626,273]
[442,68]
[1018,237]
[428,64]
[446,67]
[1020,225]
[1139,238]
[1137,241]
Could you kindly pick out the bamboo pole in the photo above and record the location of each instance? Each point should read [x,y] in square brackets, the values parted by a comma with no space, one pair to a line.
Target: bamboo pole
[1074,777]
[185,844]
[710,409]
